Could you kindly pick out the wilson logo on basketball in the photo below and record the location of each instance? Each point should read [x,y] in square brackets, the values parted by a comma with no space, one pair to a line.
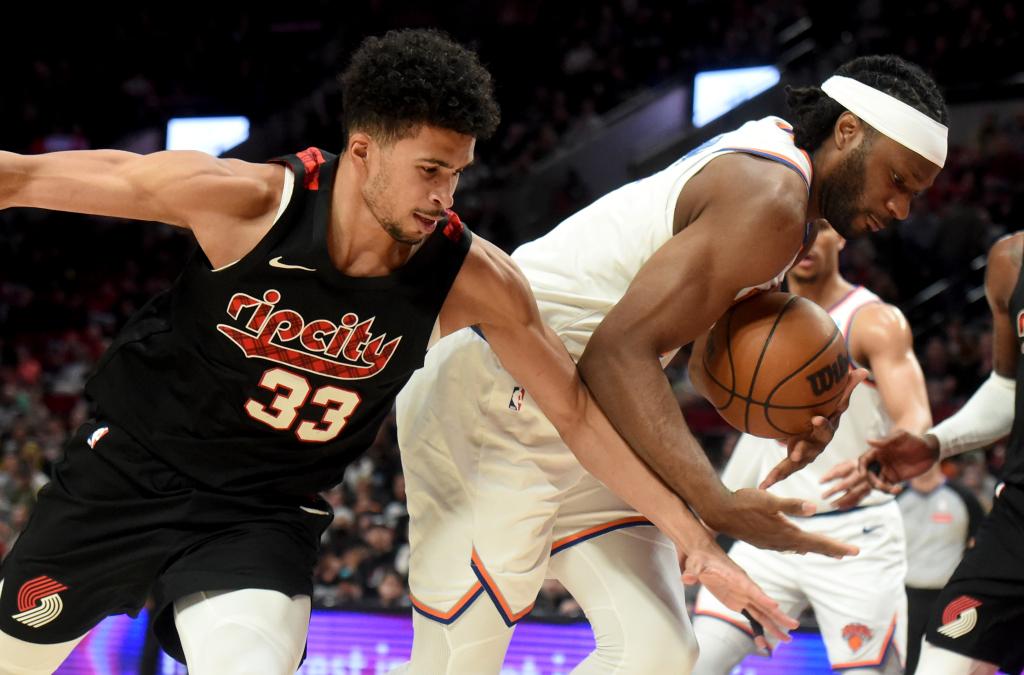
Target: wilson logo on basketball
[960,617]
[856,634]
[826,378]
[347,350]
[39,602]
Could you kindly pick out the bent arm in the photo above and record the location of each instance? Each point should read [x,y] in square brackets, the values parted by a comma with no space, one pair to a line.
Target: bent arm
[677,295]
[492,293]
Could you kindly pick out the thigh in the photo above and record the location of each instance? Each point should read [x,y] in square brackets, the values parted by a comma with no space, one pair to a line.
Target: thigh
[629,586]
[239,546]
[243,631]
[18,657]
[980,612]
[474,643]
[92,547]
[860,603]
[777,574]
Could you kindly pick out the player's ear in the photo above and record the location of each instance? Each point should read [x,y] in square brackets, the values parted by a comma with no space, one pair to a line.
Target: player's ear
[359,146]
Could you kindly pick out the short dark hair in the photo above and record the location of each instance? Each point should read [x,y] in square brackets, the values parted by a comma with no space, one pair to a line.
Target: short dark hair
[411,77]
[815,112]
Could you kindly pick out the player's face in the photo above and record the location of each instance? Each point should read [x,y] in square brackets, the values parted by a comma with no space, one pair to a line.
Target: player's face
[413,181]
[822,259]
[873,185]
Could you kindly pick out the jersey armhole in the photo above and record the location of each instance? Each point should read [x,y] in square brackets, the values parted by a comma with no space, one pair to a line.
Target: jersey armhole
[286,196]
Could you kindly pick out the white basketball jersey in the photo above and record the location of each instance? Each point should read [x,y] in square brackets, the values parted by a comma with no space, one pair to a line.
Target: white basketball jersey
[580,269]
[866,418]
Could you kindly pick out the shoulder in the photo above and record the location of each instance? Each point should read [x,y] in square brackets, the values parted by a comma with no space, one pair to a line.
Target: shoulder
[490,289]
[877,329]
[761,184]
[1004,265]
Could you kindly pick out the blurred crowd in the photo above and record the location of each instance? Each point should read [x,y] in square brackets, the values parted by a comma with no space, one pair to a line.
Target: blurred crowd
[69,282]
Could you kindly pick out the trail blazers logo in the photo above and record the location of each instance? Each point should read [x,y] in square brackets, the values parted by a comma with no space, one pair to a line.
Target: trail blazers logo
[347,350]
[39,602]
[960,617]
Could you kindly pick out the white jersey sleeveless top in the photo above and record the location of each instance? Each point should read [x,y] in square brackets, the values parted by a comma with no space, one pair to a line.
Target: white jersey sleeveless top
[866,418]
[580,269]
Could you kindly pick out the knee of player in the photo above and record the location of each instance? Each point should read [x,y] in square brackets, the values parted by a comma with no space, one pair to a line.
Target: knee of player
[668,646]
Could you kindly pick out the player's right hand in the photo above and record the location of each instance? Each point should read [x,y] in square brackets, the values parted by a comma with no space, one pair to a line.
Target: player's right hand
[759,518]
[709,565]
[898,457]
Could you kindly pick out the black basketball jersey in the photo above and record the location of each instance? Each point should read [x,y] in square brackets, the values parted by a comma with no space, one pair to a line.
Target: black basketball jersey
[1013,471]
[271,374]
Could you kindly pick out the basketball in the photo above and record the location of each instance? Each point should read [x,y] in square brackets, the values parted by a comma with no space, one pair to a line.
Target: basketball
[773,362]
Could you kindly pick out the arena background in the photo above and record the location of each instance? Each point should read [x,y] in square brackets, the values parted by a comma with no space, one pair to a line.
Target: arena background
[592,94]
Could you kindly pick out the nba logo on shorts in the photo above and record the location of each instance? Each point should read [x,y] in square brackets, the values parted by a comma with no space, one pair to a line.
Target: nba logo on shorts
[516,402]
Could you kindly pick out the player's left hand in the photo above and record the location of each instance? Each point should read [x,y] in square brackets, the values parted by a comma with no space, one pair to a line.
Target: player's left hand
[804,448]
[709,565]
[853,486]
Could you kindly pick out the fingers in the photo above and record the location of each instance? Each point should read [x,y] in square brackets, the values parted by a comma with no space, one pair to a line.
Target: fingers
[856,377]
[852,497]
[778,473]
[816,543]
[839,471]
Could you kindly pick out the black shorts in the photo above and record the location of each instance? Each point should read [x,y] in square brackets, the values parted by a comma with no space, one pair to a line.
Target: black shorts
[116,525]
[980,612]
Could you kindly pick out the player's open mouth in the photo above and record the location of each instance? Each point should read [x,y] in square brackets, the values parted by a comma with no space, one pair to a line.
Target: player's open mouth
[427,223]
[874,223]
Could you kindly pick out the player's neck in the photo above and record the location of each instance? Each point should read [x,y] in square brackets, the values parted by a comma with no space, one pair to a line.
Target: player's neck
[358,244]
[824,292]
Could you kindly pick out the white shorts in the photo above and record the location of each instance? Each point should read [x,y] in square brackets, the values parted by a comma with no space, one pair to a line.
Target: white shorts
[860,602]
[492,490]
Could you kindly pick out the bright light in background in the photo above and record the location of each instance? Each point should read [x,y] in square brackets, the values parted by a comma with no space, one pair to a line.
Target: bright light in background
[212,135]
[716,92]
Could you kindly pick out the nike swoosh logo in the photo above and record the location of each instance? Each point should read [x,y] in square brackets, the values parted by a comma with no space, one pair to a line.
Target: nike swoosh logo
[276,262]
[869,530]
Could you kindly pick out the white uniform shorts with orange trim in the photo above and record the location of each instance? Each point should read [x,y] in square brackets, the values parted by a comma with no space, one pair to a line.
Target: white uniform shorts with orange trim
[492,490]
[859,602]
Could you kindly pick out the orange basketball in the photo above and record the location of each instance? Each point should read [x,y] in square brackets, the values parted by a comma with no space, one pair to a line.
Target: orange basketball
[772,362]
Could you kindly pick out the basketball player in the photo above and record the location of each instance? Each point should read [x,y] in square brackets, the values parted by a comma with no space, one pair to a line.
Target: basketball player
[228,402]
[978,618]
[497,502]
[859,602]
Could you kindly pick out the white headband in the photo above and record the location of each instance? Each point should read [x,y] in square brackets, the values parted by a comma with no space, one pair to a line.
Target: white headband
[907,126]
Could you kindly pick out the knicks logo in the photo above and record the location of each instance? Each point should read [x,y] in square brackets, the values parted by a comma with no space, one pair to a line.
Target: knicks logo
[345,351]
[826,378]
[960,617]
[39,602]
[856,635]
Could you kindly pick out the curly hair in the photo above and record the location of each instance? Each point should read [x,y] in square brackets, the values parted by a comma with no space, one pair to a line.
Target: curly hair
[815,113]
[407,78]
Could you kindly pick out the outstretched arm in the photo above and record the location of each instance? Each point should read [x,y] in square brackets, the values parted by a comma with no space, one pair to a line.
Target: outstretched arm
[731,244]
[227,203]
[988,415]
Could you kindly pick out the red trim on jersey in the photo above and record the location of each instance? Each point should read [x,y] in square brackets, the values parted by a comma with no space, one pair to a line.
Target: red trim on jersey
[312,159]
[453,230]
[842,301]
